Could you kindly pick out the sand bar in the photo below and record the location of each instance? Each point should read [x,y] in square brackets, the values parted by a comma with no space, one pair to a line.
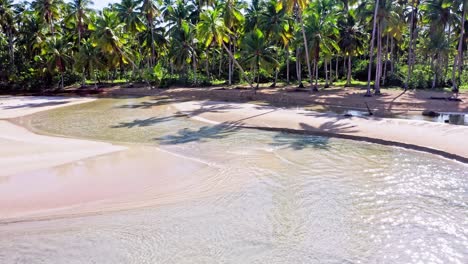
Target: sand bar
[16,106]
[448,140]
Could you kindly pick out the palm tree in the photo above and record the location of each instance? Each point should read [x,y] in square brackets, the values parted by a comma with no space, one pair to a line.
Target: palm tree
[352,37]
[127,10]
[458,61]
[276,24]
[321,30]
[212,29]
[298,7]
[48,11]
[258,52]
[57,54]
[7,25]
[413,10]
[79,10]
[234,20]
[183,49]
[110,38]
[88,58]
[371,53]
[150,11]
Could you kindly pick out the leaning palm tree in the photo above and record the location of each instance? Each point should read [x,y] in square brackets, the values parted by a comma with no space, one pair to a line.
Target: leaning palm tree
[258,52]
[211,29]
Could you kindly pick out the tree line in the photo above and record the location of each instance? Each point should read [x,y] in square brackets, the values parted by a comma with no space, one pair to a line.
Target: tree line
[406,43]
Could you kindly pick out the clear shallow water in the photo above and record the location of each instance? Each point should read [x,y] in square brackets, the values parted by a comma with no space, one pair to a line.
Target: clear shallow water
[303,199]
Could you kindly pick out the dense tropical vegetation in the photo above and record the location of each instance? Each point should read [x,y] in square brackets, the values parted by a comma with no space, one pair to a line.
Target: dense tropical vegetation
[406,43]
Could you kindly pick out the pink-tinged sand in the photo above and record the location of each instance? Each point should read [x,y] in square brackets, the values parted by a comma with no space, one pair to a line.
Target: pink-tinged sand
[452,140]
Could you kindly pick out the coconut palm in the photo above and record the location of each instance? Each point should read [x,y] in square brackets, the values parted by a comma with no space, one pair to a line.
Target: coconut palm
[212,29]
[277,26]
[58,55]
[48,11]
[128,14]
[109,36]
[150,10]
[322,32]
[297,7]
[79,13]
[7,26]
[258,52]
[88,58]
[352,38]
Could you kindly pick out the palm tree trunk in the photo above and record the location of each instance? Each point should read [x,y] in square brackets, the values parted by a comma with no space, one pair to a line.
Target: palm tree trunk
[391,56]
[287,65]
[220,64]
[237,64]
[458,61]
[331,71]
[378,70]
[348,79]
[337,74]
[11,48]
[316,74]
[326,73]
[385,61]
[230,66]
[371,53]
[410,48]
[153,50]
[298,67]
[306,51]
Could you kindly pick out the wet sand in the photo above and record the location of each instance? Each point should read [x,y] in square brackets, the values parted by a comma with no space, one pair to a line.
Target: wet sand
[43,177]
[16,106]
[443,139]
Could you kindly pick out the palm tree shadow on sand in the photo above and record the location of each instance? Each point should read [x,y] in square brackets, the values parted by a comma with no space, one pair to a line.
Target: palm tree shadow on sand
[143,122]
[299,142]
[202,134]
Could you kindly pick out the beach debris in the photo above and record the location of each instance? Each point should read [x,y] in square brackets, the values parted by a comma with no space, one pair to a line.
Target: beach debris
[430,113]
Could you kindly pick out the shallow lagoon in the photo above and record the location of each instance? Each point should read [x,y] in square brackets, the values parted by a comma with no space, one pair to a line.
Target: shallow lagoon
[266,197]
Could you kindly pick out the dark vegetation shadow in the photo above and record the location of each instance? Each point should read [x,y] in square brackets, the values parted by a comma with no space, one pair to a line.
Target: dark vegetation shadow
[210,107]
[187,135]
[300,142]
[330,127]
[143,122]
[151,103]
[32,105]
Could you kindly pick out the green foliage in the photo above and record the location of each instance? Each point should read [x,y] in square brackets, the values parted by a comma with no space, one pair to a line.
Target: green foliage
[190,43]
[421,77]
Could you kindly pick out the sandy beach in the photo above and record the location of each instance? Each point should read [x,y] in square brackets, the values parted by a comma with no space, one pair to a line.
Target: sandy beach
[44,176]
[438,138]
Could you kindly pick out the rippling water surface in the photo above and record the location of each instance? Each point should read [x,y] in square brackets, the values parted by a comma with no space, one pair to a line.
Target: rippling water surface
[303,199]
